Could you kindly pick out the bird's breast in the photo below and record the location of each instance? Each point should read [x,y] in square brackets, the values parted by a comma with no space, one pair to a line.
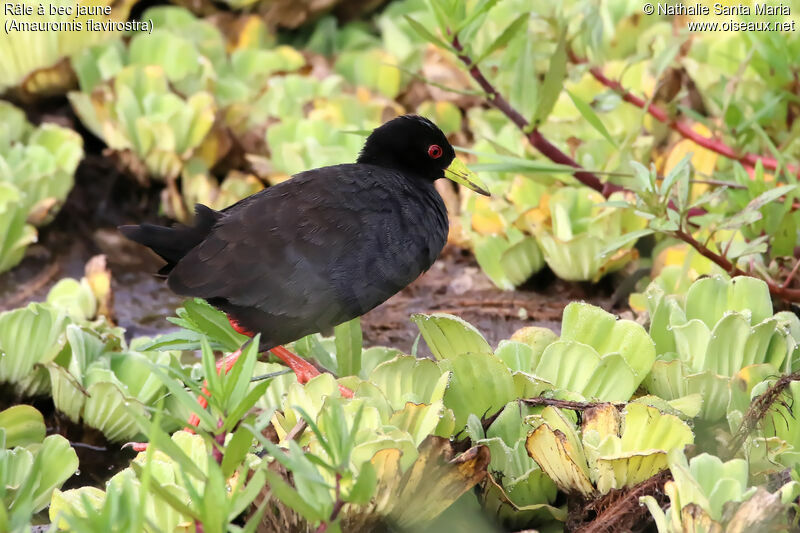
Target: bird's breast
[394,247]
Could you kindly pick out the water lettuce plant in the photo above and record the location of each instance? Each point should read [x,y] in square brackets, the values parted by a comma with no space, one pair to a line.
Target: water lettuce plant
[100,383]
[518,492]
[140,115]
[183,469]
[35,63]
[597,356]
[32,466]
[37,165]
[725,330]
[709,495]
[395,439]
[769,430]
[82,361]
[368,460]
[573,229]
[568,228]
[612,450]
[192,104]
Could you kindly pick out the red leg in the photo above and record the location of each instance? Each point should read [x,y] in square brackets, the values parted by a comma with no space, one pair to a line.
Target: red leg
[302,368]
[223,365]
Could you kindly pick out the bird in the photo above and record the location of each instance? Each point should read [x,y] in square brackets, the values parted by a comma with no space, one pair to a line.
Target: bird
[323,247]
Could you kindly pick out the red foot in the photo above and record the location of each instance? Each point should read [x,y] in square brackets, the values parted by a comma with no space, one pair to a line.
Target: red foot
[136,446]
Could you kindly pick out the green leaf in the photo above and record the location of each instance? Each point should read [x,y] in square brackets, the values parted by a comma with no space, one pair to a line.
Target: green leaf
[167,495]
[236,450]
[624,239]
[681,170]
[333,424]
[23,425]
[591,117]
[518,356]
[237,381]
[518,24]
[210,370]
[568,364]
[213,323]
[426,34]
[442,13]
[214,501]
[645,178]
[311,347]
[522,260]
[55,462]
[480,8]
[522,94]
[184,339]
[365,485]
[481,384]
[348,339]
[488,249]
[161,441]
[742,218]
[553,82]
[449,336]
[762,109]
[289,496]
[508,163]
[475,428]
[771,195]
[323,441]
[254,519]
[255,394]
[785,237]
[184,397]
[409,379]
[30,335]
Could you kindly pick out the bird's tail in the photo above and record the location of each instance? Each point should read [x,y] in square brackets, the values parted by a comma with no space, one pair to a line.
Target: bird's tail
[173,243]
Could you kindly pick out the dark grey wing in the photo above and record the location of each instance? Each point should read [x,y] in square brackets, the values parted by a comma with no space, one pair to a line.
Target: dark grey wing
[308,253]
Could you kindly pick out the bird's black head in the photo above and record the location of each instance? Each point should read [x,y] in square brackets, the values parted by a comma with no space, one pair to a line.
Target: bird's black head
[409,143]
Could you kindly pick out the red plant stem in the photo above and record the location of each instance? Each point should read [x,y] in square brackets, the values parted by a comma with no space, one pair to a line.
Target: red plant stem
[792,273]
[337,506]
[219,440]
[535,137]
[785,293]
[684,127]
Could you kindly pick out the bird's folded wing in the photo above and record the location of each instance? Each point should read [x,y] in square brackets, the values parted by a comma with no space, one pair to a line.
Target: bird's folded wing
[282,251]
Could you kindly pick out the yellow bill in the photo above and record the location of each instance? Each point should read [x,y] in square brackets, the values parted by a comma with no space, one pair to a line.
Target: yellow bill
[459,173]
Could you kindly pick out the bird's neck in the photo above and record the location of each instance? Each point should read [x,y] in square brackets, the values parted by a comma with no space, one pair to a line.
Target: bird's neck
[374,155]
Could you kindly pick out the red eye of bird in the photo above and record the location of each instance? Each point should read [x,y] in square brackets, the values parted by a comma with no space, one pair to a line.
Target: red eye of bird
[435,151]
